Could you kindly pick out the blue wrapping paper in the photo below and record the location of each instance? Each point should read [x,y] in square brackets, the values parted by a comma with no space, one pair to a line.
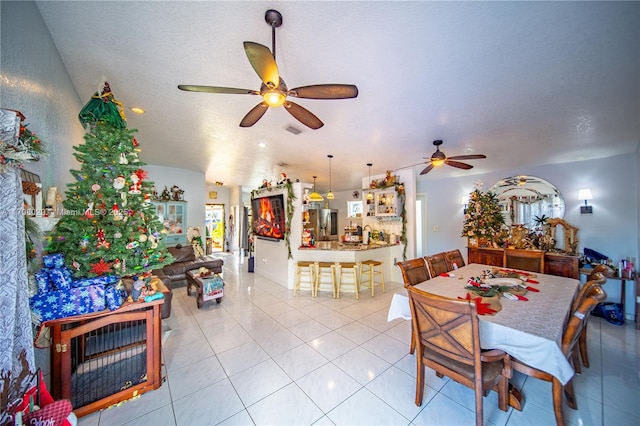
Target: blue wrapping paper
[104,280]
[65,303]
[61,278]
[53,260]
[115,296]
[42,279]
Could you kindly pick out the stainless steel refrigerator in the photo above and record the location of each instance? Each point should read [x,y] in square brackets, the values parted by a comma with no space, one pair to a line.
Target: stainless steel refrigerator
[323,224]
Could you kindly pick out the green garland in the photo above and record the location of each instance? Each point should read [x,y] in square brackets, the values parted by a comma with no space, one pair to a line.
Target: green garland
[291,197]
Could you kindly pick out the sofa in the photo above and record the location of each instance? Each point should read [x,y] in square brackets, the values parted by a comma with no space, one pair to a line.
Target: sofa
[184,260]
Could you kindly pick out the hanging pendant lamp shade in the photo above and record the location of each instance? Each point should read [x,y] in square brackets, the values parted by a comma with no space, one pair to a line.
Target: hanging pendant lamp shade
[330,195]
[314,196]
[369,194]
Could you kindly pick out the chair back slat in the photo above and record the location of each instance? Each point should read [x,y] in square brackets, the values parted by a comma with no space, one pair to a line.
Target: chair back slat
[446,326]
[454,256]
[526,260]
[437,264]
[579,317]
[414,271]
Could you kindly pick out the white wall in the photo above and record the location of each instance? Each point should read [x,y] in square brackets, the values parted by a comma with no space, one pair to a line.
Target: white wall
[35,82]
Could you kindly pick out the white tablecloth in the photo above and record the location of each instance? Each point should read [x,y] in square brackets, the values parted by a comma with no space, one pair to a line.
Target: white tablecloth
[528,330]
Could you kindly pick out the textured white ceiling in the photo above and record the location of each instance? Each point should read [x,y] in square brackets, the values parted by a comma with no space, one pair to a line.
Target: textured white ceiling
[526,83]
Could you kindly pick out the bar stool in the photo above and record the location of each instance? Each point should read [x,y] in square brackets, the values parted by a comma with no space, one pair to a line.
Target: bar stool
[346,269]
[326,270]
[305,274]
[369,269]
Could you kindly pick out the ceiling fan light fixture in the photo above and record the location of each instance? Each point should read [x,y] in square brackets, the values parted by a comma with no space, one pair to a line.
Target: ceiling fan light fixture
[274,98]
[438,162]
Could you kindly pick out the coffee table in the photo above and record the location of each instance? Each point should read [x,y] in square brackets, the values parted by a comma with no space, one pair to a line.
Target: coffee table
[207,288]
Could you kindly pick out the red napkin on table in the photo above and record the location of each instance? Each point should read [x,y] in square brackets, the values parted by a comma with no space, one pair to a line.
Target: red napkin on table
[482,308]
[447,274]
[521,297]
[533,289]
[529,280]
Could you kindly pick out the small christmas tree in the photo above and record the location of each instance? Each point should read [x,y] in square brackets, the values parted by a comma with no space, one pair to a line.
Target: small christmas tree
[483,219]
[109,225]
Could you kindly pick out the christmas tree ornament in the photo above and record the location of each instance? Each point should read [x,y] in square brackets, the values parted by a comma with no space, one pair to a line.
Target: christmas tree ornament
[115,212]
[89,211]
[142,238]
[123,158]
[135,186]
[132,245]
[117,235]
[119,182]
[95,187]
[123,195]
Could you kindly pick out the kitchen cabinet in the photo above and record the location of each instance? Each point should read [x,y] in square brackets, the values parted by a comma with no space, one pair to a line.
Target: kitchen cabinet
[173,216]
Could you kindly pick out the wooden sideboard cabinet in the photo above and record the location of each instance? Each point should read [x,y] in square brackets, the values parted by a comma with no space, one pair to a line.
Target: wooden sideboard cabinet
[554,263]
[561,265]
[485,256]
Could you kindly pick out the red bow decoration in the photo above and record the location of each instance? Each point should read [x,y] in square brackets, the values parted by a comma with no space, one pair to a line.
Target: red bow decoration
[482,308]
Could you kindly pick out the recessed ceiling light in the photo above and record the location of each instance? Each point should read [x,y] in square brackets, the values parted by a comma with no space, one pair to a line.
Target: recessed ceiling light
[262,144]
[137,110]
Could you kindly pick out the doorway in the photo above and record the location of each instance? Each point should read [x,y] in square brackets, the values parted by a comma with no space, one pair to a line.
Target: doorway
[215,227]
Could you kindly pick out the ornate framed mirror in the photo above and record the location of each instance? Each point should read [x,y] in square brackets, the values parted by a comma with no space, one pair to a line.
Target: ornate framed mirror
[523,199]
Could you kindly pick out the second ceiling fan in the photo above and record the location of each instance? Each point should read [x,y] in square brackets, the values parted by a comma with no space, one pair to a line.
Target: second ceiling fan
[273,89]
[438,158]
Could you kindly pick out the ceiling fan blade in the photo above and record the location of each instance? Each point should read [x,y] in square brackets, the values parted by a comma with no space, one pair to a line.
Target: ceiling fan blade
[303,115]
[213,89]
[409,167]
[468,157]
[427,169]
[325,91]
[263,63]
[254,115]
[458,164]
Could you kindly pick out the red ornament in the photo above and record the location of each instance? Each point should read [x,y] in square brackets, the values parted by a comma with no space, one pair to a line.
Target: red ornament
[100,267]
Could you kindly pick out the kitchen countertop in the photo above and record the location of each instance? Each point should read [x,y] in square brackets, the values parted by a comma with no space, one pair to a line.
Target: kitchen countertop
[335,246]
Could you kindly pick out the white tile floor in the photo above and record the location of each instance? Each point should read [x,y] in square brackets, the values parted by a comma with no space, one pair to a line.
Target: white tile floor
[265,357]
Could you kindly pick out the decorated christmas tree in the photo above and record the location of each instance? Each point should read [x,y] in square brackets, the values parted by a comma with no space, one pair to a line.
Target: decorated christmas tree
[483,220]
[109,225]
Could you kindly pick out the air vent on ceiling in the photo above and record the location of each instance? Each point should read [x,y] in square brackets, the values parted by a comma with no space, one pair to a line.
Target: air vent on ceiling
[282,164]
[293,129]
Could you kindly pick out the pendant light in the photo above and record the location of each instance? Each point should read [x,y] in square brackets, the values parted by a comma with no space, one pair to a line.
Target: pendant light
[369,194]
[314,196]
[330,195]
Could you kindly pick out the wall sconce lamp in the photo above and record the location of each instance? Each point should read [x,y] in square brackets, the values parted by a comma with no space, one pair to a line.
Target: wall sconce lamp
[465,203]
[585,194]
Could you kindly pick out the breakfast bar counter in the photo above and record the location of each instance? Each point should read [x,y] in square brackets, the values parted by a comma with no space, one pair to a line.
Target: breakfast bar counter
[329,251]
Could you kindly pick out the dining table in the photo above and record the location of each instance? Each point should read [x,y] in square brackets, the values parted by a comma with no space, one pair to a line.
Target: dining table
[530,330]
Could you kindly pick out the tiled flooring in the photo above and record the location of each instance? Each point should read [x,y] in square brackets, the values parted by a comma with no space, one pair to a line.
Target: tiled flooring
[265,357]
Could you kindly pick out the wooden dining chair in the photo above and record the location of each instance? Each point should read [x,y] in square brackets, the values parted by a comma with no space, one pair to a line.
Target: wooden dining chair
[448,337]
[526,260]
[437,264]
[454,257]
[414,271]
[574,326]
[598,276]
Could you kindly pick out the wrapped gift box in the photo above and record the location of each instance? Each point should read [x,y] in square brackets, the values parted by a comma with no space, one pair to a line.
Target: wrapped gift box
[65,303]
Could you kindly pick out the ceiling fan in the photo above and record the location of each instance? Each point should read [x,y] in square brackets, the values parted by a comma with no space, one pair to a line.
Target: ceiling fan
[273,89]
[438,158]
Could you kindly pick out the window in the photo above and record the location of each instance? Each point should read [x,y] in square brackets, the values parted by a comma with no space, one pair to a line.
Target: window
[354,208]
